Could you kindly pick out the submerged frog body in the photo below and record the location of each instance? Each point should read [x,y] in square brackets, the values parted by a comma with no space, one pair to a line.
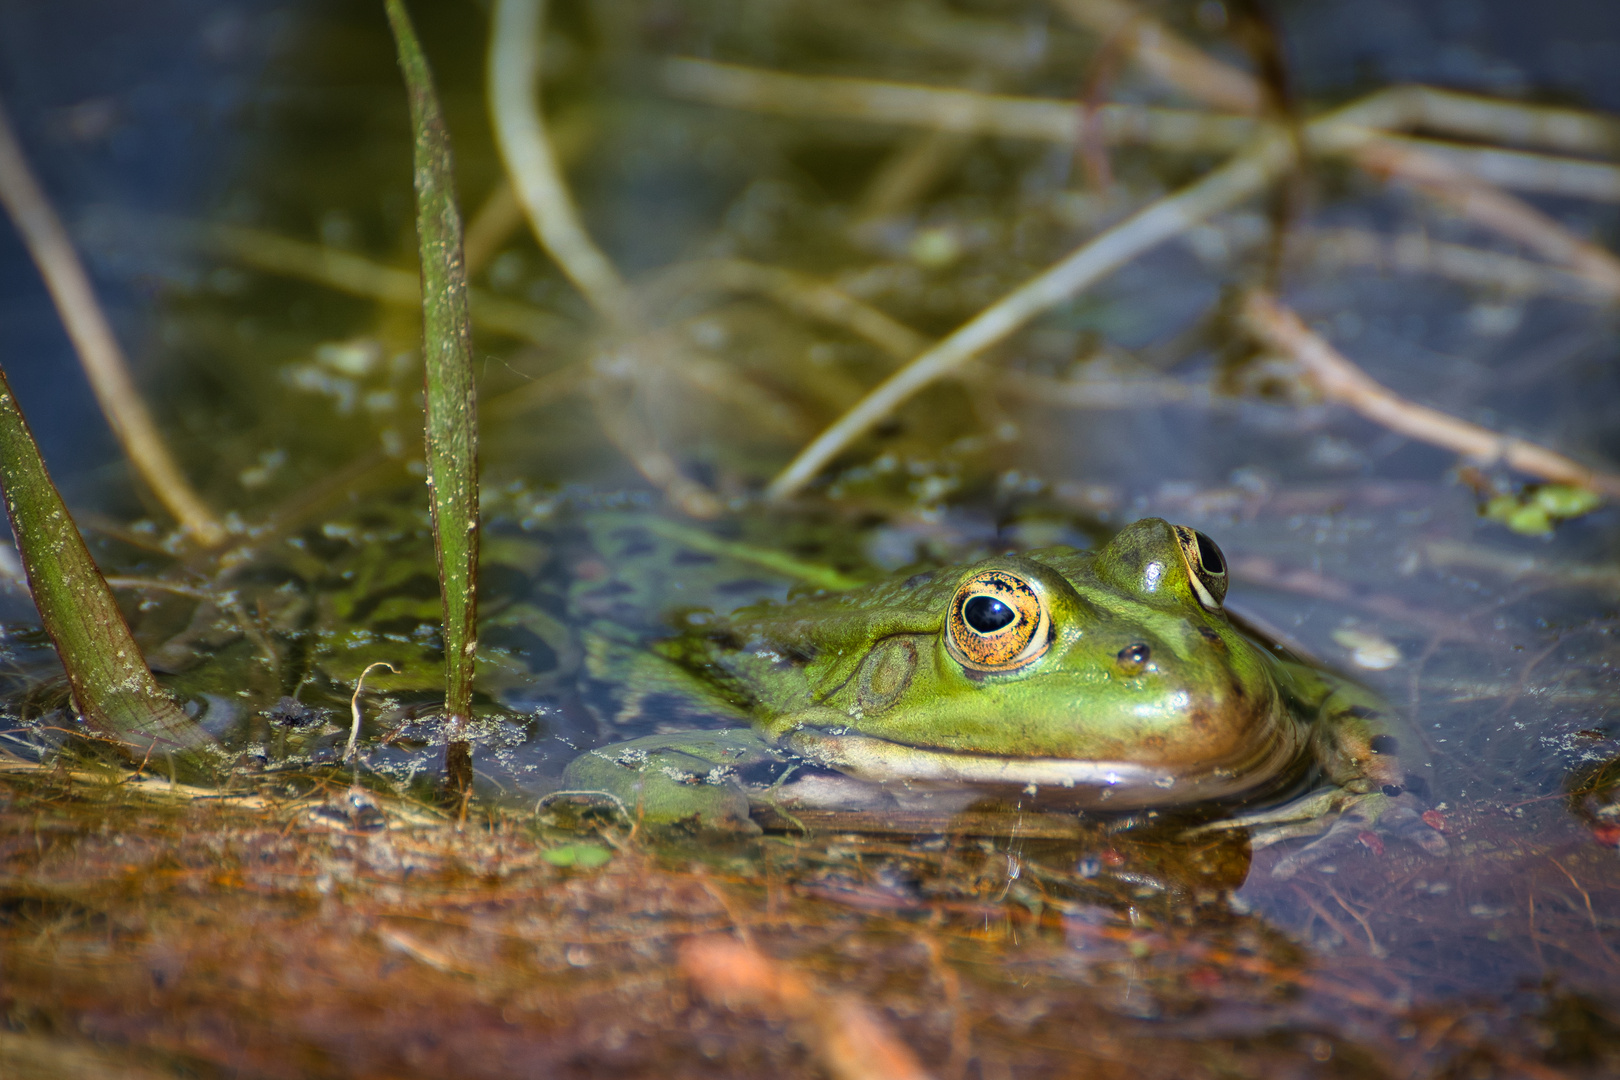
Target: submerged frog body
[1107,680]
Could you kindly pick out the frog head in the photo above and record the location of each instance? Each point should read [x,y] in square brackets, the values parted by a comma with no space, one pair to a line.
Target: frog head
[1115,673]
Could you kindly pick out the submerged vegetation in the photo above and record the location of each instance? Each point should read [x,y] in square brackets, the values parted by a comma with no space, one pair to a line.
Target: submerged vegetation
[788,297]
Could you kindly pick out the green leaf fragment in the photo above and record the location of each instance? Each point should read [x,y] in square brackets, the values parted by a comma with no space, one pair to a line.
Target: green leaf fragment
[1562,501]
[1537,509]
[581,856]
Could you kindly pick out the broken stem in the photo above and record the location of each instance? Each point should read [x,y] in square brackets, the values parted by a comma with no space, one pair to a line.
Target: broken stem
[947,109]
[520,134]
[1340,380]
[359,276]
[93,339]
[799,293]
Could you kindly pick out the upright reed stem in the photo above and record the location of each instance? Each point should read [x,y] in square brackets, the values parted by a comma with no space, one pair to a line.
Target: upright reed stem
[452,415]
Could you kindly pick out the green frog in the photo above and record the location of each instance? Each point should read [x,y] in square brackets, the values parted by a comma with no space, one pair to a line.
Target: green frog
[1107,680]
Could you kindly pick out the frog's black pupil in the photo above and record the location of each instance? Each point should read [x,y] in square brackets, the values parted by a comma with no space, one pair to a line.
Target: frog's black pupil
[986,614]
[1135,654]
[1210,556]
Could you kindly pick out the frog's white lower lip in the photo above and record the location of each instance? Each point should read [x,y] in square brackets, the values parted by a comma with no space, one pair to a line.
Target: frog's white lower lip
[1121,785]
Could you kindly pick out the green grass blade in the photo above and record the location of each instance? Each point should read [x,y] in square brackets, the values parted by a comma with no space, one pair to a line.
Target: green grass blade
[452,422]
[112,687]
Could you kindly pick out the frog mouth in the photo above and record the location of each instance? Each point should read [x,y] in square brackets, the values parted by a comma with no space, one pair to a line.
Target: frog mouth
[1090,783]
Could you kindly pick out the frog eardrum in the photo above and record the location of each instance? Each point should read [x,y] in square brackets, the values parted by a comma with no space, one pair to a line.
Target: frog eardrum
[997,622]
[1206,566]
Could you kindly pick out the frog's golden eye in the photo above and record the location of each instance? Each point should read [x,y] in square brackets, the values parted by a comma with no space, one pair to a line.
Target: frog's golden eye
[1206,566]
[998,622]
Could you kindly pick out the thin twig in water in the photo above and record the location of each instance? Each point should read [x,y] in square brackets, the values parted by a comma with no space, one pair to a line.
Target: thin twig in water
[422,952]
[1417,252]
[1166,56]
[496,220]
[360,276]
[520,133]
[1491,207]
[613,400]
[1461,177]
[1094,393]
[1236,180]
[1570,131]
[797,292]
[501,215]
[1322,913]
[550,387]
[192,591]
[543,391]
[1092,145]
[910,171]
[354,706]
[754,405]
[1377,950]
[1444,554]
[1268,574]
[344,271]
[93,339]
[947,109]
[1340,380]
[1574,178]
[1587,897]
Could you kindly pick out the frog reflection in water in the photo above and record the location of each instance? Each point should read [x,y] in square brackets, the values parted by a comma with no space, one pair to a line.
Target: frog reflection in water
[1108,680]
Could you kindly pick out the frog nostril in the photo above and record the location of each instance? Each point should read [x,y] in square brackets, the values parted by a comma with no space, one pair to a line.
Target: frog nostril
[1134,657]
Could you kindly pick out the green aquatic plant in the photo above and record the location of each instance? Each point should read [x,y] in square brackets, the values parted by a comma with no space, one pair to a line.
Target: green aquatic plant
[113,691]
[451,420]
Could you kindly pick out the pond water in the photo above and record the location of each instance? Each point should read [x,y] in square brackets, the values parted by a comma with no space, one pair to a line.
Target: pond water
[211,159]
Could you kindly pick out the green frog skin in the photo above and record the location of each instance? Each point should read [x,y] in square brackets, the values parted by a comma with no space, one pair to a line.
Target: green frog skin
[1109,680]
